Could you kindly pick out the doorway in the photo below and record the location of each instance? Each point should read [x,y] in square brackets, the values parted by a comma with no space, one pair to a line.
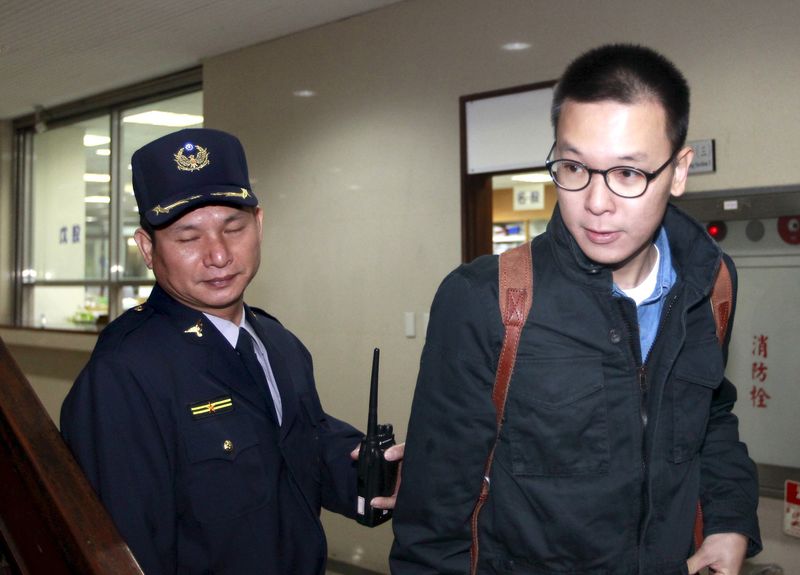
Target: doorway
[507,195]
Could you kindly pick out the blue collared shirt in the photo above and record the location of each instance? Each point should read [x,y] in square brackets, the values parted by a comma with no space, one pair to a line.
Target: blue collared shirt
[649,310]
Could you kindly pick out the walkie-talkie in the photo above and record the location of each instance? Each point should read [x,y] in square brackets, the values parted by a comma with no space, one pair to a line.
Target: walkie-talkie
[376,476]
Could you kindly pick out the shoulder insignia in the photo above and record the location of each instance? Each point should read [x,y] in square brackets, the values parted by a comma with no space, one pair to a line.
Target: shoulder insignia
[211,407]
[255,311]
[196,329]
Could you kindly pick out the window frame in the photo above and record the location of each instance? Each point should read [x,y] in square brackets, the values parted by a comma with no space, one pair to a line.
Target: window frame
[112,104]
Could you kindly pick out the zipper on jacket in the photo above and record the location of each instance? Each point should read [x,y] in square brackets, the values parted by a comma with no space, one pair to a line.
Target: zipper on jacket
[644,388]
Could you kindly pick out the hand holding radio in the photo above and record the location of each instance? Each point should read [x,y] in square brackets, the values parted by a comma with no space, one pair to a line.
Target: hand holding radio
[377,475]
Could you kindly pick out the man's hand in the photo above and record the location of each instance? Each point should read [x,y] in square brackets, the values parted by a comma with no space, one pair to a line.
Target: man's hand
[722,553]
[394,453]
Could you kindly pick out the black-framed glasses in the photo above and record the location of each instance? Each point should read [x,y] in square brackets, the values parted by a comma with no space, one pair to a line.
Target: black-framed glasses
[624,181]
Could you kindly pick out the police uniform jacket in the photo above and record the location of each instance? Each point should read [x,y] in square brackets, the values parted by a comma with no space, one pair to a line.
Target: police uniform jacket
[184,449]
[603,453]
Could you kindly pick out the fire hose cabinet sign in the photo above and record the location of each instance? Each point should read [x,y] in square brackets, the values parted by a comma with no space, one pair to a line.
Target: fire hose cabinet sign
[791,500]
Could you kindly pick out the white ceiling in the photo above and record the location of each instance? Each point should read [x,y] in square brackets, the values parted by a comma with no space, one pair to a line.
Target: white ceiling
[57,51]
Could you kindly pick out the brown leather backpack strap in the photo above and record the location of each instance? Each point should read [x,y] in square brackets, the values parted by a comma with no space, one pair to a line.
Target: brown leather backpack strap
[721,305]
[515,294]
[722,300]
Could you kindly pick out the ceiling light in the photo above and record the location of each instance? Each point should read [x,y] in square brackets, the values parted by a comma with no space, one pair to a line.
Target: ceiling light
[97,178]
[516,46]
[304,93]
[533,178]
[103,152]
[97,200]
[170,119]
[91,140]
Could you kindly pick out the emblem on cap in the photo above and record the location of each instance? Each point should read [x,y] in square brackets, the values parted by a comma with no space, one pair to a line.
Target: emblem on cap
[197,158]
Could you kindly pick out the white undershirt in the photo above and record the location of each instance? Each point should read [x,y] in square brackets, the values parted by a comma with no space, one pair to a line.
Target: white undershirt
[644,289]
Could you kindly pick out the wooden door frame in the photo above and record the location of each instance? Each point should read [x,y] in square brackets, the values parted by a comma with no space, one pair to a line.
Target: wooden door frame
[476,189]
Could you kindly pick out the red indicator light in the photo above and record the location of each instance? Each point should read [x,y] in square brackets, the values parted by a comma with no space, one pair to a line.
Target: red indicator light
[717,230]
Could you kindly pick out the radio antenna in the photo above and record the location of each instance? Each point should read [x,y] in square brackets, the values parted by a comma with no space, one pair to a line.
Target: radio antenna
[372,421]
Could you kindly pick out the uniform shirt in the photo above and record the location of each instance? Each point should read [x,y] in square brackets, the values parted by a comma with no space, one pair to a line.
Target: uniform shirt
[231,333]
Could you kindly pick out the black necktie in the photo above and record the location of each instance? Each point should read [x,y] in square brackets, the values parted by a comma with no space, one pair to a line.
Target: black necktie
[245,347]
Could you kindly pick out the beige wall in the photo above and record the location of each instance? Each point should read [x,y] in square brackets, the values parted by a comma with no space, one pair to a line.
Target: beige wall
[361,183]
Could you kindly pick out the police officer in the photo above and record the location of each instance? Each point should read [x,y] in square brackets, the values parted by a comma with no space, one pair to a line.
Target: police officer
[197,419]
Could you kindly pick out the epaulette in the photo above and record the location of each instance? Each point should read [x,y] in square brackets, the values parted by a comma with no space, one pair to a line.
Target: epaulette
[259,311]
[133,318]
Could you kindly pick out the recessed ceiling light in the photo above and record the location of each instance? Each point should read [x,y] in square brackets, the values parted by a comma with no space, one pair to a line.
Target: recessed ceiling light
[304,93]
[516,46]
[91,140]
[103,152]
[170,119]
[533,178]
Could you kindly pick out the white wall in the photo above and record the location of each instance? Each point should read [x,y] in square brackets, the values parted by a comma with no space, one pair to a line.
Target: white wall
[361,183]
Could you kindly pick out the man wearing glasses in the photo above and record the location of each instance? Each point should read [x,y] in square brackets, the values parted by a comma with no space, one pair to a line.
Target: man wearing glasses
[618,415]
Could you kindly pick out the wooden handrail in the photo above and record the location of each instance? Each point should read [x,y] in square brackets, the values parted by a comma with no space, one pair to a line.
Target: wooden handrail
[51,521]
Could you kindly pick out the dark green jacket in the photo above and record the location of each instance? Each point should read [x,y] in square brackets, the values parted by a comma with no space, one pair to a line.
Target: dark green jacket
[580,485]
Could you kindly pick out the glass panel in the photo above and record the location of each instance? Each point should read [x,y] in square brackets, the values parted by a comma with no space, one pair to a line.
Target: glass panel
[141,125]
[134,295]
[70,198]
[67,307]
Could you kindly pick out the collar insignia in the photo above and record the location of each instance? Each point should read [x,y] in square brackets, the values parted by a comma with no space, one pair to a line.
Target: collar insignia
[197,158]
[196,329]
[211,407]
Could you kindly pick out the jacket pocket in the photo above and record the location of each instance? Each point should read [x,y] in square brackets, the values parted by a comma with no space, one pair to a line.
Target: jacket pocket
[556,417]
[698,372]
[225,472]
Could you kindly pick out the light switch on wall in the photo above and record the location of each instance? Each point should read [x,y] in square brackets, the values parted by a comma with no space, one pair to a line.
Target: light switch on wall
[410,324]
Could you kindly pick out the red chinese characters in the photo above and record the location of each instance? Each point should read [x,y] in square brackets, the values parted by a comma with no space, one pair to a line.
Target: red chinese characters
[758,372]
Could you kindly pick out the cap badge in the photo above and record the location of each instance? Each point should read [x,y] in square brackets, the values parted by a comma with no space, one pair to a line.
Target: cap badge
[197,158]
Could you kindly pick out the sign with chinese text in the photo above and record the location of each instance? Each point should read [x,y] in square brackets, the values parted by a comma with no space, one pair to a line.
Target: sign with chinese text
[529,197]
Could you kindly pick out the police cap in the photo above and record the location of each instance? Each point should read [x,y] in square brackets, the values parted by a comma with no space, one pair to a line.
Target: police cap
[189,168]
